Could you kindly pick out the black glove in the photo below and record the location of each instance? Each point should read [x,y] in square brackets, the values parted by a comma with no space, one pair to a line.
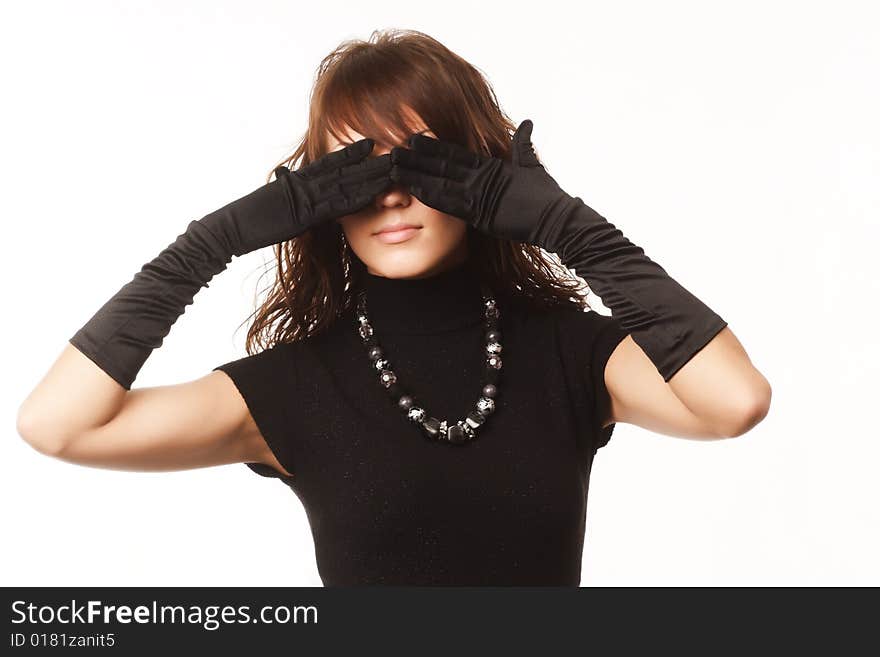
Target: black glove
[518,200]
[125,330]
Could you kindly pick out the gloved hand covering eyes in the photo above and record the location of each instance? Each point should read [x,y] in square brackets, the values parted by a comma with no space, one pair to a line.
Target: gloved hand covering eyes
[339,183]
[518,200]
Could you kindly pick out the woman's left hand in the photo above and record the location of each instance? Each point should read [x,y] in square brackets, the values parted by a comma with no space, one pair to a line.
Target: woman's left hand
[512,199]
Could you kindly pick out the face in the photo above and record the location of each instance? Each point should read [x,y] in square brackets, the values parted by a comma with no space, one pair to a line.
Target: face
[431,242]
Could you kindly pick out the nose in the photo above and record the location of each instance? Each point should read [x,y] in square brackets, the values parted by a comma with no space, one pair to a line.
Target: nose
[395,196]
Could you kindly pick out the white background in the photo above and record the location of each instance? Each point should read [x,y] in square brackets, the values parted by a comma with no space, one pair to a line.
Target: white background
[737,143]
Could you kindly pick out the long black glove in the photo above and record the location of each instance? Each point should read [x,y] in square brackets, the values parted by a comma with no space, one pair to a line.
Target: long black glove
[125,330]
[518,200]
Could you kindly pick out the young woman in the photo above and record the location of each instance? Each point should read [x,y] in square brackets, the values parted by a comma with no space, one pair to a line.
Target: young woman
[425,374]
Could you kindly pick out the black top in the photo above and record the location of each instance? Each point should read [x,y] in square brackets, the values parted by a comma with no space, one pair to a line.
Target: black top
[387,505]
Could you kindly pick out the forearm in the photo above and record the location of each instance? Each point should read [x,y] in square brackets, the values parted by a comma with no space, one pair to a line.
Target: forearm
[127,328]
[121,335]
[668,322]
[86,390]
[691,346]
[86,385]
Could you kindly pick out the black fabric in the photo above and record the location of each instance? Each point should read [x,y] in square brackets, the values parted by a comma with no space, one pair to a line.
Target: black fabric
[388,506]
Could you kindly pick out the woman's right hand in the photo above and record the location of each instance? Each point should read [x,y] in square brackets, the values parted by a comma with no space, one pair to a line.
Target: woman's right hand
[338,183]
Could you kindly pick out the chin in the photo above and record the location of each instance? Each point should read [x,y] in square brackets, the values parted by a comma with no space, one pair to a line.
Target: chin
[405,264]
[400,268]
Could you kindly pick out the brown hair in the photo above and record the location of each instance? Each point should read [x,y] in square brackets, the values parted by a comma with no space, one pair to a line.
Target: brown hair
[369,86]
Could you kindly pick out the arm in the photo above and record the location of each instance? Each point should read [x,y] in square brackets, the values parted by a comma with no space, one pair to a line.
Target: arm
[680,370]
[718,393]
[96,423]
[84,406]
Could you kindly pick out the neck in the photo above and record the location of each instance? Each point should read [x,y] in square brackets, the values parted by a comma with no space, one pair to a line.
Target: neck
[442,301]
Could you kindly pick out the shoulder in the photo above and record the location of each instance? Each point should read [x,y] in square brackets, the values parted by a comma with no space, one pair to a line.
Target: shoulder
[265,360]
[285,357]
[576,327]
[584,327]
[586,339]
[588,336]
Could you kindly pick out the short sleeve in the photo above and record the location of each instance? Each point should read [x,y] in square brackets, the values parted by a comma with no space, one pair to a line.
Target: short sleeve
[263,380]
[588,339]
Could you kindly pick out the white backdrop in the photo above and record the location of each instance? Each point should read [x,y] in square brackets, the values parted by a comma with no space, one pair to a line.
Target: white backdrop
[736,143]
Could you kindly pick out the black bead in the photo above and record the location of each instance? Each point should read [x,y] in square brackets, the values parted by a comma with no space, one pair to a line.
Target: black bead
[492,375]
[395,390]
[455,434]
[489,390]
[493,336]
[431,427]
[476,418]
[406,402]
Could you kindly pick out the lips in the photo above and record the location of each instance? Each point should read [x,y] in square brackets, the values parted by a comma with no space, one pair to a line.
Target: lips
[399,232]
[401,225]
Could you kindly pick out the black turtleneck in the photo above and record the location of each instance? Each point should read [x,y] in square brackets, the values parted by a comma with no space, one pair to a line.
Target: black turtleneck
[386,505]
[443,301]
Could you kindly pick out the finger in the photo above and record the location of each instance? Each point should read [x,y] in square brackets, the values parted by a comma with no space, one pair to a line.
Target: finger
[444,149]
[369,169]
[367,194]
[430,164]
[442,194]
[368,188]
[523,132]
[522,150]
[350,154]
[340,205]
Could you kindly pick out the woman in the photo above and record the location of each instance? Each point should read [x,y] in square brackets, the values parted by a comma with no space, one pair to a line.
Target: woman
[429,383]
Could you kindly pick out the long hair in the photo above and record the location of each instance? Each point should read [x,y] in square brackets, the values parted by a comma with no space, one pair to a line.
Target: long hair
[369,85]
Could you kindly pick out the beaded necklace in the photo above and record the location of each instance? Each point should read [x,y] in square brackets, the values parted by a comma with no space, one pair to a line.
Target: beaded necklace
[459,431]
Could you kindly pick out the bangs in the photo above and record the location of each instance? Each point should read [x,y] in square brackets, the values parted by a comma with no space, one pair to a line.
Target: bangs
[371,105]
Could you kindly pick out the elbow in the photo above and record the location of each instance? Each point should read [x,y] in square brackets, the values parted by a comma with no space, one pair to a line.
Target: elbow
[751,414]
[47,442]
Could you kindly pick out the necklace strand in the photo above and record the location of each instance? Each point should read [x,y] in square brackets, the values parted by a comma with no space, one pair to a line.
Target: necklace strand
[460,431]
